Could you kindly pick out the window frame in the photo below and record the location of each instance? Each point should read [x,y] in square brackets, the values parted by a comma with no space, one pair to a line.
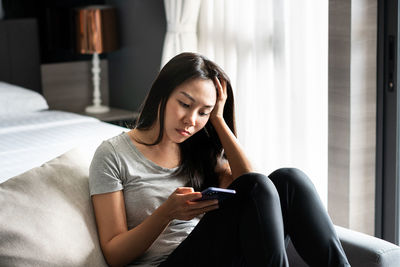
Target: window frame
[387,132]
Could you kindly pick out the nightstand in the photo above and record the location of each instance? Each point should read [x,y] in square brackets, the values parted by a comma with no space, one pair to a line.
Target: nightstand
[121,117]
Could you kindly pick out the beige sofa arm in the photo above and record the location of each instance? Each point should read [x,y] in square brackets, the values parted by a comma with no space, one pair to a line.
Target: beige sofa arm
[362,250]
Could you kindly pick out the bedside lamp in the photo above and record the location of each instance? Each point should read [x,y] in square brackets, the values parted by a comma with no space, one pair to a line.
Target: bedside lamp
[96,34]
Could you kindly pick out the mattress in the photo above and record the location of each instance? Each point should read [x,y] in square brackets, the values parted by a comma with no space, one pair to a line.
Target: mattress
[31,139]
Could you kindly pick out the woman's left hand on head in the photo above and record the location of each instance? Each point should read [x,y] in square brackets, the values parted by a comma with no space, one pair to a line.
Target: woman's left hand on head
[222,95]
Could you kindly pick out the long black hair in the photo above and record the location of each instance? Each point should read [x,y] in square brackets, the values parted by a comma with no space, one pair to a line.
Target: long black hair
[199,153]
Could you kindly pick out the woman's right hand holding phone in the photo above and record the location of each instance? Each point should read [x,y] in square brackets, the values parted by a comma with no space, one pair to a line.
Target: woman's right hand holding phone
[181,204]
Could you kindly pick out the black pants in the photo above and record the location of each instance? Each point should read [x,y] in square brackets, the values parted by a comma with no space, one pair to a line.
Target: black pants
[254,227]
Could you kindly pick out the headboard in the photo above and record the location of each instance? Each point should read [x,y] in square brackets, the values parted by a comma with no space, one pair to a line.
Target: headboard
[19,53]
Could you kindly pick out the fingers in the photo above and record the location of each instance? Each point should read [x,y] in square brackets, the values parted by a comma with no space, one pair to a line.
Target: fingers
[217,82]
[191,196]
[182,205]
[202,204]
[221,87]
[201,207]
[221,83]
[186,194]
[198,207]
[198,212]
[184,190]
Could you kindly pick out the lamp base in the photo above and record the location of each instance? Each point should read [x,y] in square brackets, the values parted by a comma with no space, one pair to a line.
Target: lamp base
[97,109]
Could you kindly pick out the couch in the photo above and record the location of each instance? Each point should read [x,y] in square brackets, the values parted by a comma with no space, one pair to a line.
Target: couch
[46,219]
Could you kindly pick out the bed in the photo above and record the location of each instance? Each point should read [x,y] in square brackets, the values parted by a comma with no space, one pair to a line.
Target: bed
[30,133]
[28,140]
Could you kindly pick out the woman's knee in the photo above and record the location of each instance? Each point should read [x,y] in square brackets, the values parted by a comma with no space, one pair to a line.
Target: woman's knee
[291,177]
[287,172]
[255,184]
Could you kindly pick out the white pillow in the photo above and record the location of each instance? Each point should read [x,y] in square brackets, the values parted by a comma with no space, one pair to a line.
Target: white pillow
[46,216]
[16,99]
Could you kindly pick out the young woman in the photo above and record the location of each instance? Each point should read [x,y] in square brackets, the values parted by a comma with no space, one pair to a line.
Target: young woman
[144,185]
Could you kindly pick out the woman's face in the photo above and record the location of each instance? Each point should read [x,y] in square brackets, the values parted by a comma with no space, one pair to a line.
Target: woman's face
[188,109]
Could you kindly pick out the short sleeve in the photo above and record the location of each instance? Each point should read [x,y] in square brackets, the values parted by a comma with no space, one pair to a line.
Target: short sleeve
[104,171]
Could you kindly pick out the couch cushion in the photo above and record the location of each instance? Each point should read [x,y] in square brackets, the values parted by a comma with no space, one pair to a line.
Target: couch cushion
[367,251]
[46,217]
[362,250]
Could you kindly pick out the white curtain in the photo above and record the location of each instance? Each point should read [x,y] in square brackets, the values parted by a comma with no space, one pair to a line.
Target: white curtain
[276,53]
[181,33]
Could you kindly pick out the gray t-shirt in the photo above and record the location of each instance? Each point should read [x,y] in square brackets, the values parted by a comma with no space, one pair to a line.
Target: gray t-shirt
[118,165]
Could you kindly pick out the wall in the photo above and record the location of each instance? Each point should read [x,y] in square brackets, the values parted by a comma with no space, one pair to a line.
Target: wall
[352,113]
[68,86]
[134,66]
[127,73]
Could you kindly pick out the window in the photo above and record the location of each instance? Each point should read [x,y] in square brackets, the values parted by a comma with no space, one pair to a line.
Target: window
[387,223]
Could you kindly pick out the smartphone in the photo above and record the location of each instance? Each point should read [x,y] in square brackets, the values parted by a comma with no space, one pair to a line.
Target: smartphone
[216,193]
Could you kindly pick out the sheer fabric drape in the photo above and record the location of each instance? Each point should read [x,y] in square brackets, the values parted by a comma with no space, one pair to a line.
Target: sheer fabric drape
[181,35]
[276,53]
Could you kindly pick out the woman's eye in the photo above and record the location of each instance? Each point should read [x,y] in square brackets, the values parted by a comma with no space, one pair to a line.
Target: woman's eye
[203,114]
[183,104]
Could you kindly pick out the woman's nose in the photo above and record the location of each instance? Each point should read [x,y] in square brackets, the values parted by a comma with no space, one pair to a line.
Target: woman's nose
[190,119]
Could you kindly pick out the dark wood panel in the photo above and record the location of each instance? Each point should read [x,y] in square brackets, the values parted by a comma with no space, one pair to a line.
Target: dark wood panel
[19,56]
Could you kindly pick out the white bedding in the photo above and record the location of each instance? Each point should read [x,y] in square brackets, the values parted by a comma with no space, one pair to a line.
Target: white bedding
[28,140]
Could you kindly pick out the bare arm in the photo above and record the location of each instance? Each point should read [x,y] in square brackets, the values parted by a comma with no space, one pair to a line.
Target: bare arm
[121,246]
[224,173]
[238,161]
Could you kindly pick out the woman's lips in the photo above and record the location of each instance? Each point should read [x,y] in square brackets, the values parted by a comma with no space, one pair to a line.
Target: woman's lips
[183,132]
